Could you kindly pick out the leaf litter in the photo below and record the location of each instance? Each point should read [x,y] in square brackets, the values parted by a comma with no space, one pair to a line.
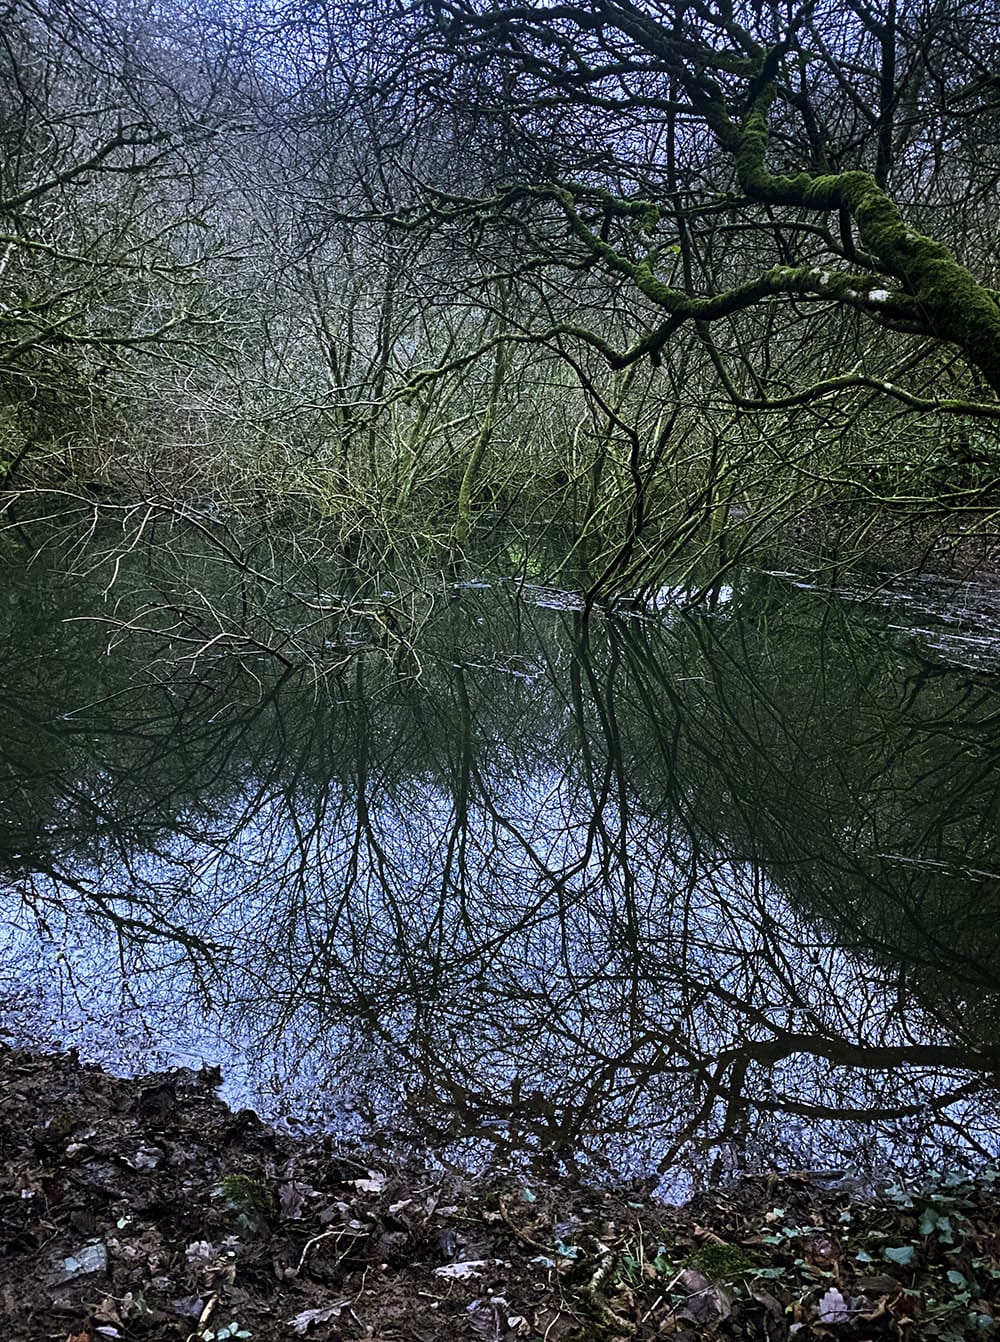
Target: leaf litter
[225,1229]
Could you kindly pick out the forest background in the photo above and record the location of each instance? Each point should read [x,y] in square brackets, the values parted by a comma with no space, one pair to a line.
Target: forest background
[659,276]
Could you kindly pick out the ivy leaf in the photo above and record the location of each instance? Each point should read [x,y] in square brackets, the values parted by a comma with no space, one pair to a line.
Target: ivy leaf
[902,1255]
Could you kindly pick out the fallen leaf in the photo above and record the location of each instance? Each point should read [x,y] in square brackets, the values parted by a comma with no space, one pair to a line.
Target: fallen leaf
[462,1271]
[833,1307]
[107,1311]
[373,1184]
[301,1323]
[83,1262]
[821,1251]
[291,1200]
[188,1306]
[708,1304]
[200,1253]
[488,1317]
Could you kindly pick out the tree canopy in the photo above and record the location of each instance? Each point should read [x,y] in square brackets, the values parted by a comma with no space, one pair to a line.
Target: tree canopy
[727,164]
[641,266]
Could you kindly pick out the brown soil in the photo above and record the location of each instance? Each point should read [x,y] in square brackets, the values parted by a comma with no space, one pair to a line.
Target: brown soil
[145,1209]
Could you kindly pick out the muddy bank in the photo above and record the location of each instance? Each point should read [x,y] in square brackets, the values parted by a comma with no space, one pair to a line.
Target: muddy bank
[147,1209]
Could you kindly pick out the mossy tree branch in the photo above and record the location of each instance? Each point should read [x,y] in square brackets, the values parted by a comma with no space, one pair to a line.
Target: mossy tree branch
[700,69]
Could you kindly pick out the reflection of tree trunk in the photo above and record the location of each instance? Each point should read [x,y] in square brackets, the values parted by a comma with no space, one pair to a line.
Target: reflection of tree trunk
[455,870]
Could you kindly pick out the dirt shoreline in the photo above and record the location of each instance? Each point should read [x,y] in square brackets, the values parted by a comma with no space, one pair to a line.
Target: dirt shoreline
[146,1209]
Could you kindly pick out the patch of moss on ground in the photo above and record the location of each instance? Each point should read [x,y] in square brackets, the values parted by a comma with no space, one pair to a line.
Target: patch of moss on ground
[722,1262]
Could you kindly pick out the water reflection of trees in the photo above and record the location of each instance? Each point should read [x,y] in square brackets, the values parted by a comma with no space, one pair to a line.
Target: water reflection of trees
[722,885]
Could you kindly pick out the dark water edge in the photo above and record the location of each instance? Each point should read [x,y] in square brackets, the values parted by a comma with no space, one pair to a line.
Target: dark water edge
[664,892]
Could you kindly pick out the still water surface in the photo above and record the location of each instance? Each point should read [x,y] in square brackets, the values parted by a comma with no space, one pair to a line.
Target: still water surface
[654,892]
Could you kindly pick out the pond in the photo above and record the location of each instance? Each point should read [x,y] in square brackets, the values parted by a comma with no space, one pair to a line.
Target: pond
[657,893]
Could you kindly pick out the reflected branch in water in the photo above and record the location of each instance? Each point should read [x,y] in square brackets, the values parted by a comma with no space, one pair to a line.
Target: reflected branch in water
[617,892]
